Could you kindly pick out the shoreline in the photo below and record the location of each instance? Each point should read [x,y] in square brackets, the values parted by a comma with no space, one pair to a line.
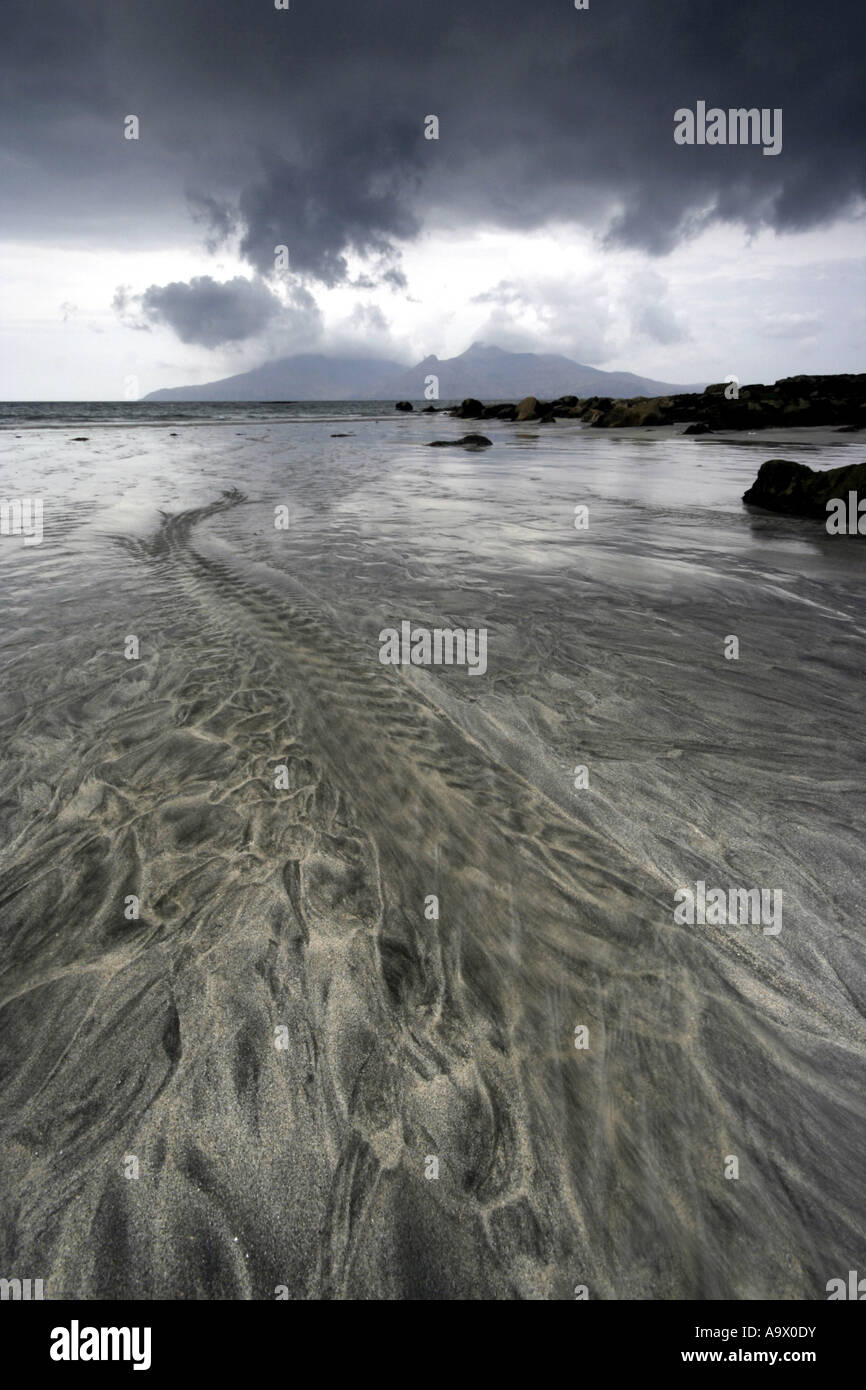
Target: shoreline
[817,435]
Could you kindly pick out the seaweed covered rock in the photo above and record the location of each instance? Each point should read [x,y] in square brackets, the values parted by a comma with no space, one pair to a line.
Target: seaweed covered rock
[468,441]
[797,490]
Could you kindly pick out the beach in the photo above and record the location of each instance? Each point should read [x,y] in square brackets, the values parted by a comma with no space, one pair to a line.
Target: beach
[373,907]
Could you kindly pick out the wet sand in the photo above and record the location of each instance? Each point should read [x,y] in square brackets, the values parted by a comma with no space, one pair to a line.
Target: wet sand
[295,915]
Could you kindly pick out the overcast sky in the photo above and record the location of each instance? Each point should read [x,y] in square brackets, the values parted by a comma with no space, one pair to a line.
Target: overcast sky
[554,213]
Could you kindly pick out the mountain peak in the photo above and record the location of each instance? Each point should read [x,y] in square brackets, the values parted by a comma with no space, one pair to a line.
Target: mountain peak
[480,349]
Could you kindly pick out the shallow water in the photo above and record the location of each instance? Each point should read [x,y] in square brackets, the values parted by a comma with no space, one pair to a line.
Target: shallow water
[307,1166]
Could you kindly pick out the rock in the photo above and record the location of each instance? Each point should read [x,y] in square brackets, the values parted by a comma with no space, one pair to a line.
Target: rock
[342,436]
[429,410]
[699,427]
[80,439]
[404,406]
[796,490]
[527,409]
[470,409]
[469,441]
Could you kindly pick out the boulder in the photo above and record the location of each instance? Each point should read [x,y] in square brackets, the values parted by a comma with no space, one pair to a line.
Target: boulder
[796,490]
[470,409]
[699,427]
[429,410]
[631,414]
[527,409]
[404,406]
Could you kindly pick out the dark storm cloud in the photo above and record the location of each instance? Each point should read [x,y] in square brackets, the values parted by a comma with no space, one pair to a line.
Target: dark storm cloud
[308,123]
[349,192]
[210,313]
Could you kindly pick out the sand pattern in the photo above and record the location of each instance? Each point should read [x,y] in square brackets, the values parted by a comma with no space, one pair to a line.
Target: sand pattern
[284,1041]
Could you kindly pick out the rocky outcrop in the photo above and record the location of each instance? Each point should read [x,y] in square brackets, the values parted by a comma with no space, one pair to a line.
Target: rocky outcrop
[796,490]
[796,400]
[405,406]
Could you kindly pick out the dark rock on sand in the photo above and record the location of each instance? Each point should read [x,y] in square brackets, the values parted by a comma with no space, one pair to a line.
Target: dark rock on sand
[404,406]
[468,441]
[699,427]
[342,436]
[80,439]
[429,410]
[796,490]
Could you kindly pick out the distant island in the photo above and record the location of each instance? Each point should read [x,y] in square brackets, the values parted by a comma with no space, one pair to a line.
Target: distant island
[480,371]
